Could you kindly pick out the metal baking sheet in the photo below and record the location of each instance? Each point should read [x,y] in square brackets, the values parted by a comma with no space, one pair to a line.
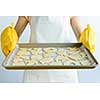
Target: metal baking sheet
[7,63]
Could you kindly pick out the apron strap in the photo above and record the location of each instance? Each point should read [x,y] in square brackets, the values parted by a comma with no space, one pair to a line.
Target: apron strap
[33,25]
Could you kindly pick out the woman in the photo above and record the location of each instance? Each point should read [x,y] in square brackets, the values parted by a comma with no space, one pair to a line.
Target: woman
[49,29]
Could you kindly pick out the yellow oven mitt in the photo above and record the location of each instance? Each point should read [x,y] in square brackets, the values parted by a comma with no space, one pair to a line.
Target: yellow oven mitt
[9,39]
[88,38]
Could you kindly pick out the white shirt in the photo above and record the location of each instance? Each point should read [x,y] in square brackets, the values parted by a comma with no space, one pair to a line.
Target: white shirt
[50,29]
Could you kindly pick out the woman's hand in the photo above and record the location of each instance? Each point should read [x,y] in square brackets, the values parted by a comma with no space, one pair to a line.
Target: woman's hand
[88,38]
[9,39]
[10,35]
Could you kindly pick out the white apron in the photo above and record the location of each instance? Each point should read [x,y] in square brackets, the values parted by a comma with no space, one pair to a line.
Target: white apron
[51,29]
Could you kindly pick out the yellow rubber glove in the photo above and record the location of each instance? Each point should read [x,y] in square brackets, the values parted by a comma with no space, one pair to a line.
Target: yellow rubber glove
[9,39]
[88,38]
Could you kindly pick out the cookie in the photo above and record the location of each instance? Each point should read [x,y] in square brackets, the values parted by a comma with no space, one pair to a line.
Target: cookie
[50,50]
[19,64]
[17,59]
[46,61]
[32,62]
[56,63]
[36,57]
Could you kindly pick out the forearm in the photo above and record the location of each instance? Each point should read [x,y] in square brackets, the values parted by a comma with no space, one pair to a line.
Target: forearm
[76,27]
[20,25]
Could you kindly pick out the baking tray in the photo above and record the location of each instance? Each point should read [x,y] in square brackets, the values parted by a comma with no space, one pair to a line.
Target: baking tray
[7,62]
